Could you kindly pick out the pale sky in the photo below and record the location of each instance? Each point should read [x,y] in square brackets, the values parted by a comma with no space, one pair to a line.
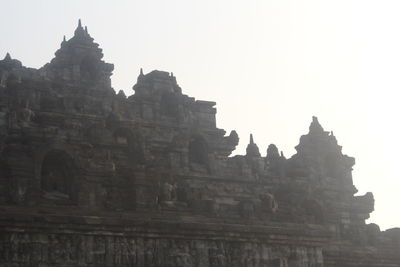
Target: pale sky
[269,65]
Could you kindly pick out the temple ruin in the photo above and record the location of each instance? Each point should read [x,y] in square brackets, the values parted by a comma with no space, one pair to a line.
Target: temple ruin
[90,177]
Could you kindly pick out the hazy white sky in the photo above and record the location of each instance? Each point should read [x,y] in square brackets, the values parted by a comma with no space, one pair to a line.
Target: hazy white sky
[269,65]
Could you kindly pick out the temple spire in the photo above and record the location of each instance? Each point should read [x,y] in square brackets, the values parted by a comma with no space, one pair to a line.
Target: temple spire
[79,23]
[141,71]
[251,139]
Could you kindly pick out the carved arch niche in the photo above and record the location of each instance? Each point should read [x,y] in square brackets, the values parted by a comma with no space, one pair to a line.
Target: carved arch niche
[314,210]
[332,166]
[58,177]
[6,187]
[133,142]
[169,105]
[89,68]
[198,154]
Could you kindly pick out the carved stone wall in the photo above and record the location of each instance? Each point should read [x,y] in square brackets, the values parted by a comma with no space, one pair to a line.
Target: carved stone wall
[110,250]
[90,177]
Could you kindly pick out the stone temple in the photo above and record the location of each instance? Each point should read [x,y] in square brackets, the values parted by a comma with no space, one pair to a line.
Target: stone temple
[90,177]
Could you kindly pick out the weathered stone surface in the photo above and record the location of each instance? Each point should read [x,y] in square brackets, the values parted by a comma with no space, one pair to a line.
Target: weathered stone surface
[89,177]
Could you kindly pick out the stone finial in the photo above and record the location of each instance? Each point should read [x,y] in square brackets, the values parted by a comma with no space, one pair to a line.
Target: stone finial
[251,139]
[139,79]
[315,126]
[79,30]
[333,137]
[121,94]
[87,31]
[282,156]
[63,41]
[10,63]
[7,57]
[252,149]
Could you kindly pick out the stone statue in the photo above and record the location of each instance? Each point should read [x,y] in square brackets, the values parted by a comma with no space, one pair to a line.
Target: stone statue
[180,255]
[269,203]
[247,208]
[168,192]
[217,258]
[25,115]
